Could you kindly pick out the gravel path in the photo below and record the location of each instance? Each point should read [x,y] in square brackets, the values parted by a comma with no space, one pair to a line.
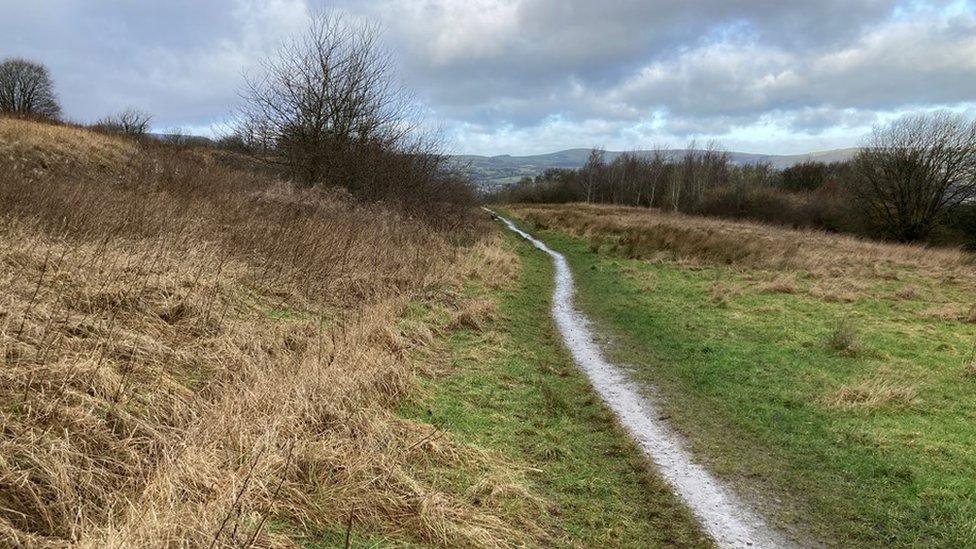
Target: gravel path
[728,520]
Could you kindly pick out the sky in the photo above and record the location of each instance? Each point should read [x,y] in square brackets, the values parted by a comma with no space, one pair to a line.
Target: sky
[534,76]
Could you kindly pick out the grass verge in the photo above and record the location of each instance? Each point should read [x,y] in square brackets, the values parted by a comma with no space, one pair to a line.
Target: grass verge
[853,418]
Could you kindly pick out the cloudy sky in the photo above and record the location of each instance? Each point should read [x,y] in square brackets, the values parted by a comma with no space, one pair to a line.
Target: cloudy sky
[532,76]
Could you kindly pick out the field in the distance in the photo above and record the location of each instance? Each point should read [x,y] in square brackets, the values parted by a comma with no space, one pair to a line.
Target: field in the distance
[832,379]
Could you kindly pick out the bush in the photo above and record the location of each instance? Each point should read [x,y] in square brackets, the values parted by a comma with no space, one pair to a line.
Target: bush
[327,111]
[128,122]
[806,176]
[961,225]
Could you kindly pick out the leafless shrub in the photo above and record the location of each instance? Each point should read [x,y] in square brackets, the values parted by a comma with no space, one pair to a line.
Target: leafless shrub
[132,122]
[26,89]
[327,110]
[321,97]
[805,176]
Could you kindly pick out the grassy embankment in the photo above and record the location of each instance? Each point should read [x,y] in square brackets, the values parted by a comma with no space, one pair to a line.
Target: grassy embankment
[833,379]
[198,355]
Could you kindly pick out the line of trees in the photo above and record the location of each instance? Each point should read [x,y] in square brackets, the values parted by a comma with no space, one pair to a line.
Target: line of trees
[914,179]
[659,179]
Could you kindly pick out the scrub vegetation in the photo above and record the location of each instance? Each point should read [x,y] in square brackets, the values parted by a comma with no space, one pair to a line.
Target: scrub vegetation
[195,352]
[829,377]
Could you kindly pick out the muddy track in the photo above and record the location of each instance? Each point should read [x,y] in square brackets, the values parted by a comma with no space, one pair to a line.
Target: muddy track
[724,516]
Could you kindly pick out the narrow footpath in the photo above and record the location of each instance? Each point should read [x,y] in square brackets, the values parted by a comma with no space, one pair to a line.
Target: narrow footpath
[726,518]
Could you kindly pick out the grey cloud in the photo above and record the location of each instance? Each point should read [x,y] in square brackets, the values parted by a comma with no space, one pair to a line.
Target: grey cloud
[518,62]
[530,48]
[181,60]
[817,119]
[902,64]
[535,72]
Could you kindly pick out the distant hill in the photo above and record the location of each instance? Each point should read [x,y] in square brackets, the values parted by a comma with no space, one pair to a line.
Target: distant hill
[491,171]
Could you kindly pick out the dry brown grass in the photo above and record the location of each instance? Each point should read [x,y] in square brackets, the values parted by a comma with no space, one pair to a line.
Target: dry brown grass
[747,243]
[950,312]
[873,394]
[190,352]
[836,291]
[39,148]
[844,268]
[782,284]
[721,294]
[907,292]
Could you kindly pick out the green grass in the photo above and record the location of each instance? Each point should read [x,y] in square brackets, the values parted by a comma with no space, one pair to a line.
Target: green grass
[764,396]
[512,389]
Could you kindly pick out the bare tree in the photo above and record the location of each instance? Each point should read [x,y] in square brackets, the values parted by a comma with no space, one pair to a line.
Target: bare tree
[26,89]
[128,122]
[593,171]
[657,174]
[914,171]
[323,96]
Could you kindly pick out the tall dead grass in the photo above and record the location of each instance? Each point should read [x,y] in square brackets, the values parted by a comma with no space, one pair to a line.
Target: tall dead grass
[839,262]
[192,353]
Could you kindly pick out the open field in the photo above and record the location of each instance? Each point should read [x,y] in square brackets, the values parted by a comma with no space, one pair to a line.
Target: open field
[829,377]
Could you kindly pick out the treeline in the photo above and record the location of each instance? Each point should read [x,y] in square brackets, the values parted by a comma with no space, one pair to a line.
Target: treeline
[914,180]
[324,111]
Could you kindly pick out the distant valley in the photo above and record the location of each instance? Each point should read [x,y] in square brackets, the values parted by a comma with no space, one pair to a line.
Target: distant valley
[493,171]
